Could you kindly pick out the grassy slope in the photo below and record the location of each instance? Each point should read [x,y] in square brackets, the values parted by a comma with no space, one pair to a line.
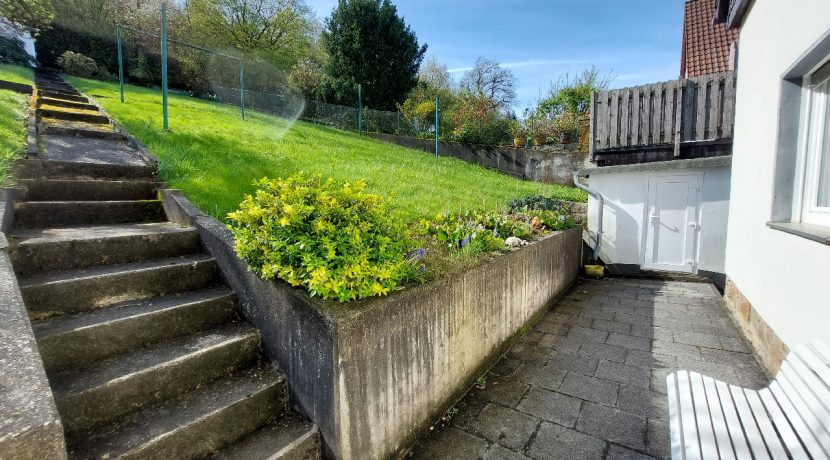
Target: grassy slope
[214,156]
[16,74]
[12,116]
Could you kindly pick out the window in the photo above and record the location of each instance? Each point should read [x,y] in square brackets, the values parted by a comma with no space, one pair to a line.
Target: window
[816,193]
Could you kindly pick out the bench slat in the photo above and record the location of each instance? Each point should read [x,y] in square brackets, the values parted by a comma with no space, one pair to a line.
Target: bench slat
[675,423]
[705,432]
[725,450]
[822,350]
[733,423]
[796,422]
[774,445]
[815,363]
[753,434]
[799,396]
[807,366]
[691,446]
[782,424]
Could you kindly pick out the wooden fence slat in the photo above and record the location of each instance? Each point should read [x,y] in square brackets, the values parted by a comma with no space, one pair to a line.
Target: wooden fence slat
[668,115]
[701,107]
[728,105]
[678,117]
[715,111]
[656,119]
[635,116]
[645,113]
[592,140]
[625,107]
[689,95]
[615,119]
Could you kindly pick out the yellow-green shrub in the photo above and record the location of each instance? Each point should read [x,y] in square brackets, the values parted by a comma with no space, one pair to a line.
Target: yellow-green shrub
[335,240]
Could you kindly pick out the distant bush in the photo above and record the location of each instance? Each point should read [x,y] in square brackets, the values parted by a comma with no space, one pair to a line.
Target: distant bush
[78,64]
[335,240]
[533,202]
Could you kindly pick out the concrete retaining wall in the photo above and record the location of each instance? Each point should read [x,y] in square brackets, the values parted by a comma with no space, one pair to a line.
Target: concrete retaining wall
[550,166]
[374,374]
[30,427]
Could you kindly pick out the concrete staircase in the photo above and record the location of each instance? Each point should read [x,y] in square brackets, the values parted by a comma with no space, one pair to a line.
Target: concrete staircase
[145,352]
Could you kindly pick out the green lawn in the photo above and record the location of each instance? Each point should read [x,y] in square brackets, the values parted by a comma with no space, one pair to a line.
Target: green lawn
[16,74]
[214,157]
[12,128]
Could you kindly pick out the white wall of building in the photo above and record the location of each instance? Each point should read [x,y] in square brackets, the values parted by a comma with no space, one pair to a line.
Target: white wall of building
[624,216]
[784,276]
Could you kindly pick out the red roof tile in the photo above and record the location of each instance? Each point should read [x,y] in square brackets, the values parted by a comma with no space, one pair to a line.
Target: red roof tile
[705,44]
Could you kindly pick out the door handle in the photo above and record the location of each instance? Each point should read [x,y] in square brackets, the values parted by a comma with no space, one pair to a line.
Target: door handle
[653,218]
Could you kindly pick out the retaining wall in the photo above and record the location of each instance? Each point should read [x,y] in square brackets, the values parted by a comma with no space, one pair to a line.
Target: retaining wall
[374,374]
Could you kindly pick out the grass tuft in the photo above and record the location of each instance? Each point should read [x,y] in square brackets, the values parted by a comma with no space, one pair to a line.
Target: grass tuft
[16,74]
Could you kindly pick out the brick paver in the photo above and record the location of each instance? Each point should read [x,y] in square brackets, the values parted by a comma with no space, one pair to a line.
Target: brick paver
[589,379]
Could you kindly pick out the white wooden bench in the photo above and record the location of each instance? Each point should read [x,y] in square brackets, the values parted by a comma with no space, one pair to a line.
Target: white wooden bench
[788,419]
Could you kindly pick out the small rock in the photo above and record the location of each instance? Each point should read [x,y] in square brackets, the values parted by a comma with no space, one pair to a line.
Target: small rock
[514,242]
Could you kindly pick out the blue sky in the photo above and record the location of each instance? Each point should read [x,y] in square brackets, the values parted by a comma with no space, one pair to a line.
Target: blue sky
[637,40]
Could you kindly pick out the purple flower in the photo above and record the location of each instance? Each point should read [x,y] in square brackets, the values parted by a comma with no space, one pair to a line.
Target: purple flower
[465,241]
[417,254]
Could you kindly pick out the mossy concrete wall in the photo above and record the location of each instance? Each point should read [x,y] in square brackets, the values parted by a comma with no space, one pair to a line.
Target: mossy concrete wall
[374,374]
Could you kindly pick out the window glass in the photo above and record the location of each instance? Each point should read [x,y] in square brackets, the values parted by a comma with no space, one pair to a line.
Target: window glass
[823,192]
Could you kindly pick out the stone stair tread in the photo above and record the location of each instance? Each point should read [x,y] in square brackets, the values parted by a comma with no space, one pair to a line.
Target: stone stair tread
[162,421]
[80,170]
[69,276]
[124,366]
[124,310]
[291,436]
[28,237]
[79,149]
[46,189]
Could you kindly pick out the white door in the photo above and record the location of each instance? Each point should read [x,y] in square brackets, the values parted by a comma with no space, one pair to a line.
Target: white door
[671,223]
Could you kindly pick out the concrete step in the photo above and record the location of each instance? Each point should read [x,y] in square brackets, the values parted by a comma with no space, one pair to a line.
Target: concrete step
[87,190]
[51,169]
[63,95]
[74,291]
[73,116]
[47,214]
[289,438]
[91,397]
[64,103]
[197,424]
[85,338]
[47,250]
[55,127]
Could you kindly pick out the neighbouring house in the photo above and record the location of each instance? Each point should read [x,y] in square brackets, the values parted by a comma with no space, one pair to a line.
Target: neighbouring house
[778,243]
[661,157]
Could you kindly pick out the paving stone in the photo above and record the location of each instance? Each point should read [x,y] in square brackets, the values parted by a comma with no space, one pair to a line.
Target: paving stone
[694,338]
[567,344]
[603,351]
[621,373]
[585,365]
[589,388]
[676,349]
[571,320]
[542,376]
[613,425]
[468,409]
[611,326]
[732,358]
[531,337]
[505,392]
[551,406]
[628,341]
[555,442]
[506,366]
[452,443]
[550,341]
[499,452]
[601,314]
[551,327]
[633,319]
[507,427]
[588,334]
[621,453]
[642,402]
[658,441]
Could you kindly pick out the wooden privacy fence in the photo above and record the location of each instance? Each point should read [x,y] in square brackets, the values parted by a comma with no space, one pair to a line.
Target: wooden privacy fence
[696,110]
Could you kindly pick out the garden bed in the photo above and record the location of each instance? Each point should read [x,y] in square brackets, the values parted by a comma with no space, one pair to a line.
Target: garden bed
[372,374]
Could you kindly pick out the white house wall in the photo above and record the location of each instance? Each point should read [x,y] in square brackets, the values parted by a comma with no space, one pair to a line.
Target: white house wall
[783,276]
[626,195]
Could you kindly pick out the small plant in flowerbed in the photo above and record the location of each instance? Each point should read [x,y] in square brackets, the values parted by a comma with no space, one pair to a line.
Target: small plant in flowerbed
[333,239]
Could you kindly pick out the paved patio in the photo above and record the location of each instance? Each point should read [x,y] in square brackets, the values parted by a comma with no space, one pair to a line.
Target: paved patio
[589,379]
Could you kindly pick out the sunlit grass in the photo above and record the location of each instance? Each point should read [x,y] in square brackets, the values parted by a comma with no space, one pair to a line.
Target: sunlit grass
[214,157]
[16,74]
[12,128]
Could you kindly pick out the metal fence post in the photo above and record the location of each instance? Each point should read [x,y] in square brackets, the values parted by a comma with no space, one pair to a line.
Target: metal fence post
[359,109]
[164,62]
[398,123]
[436,125]
[120,64]
[242,87]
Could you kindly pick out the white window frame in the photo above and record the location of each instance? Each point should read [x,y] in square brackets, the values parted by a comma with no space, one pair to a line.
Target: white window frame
[817,110]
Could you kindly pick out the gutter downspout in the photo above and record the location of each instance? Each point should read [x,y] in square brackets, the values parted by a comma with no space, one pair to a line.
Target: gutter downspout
[601,201]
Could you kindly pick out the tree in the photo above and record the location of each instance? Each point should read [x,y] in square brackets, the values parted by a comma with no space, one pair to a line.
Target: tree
[573,96]
[435,74]
[33,14]
[369,44]
[490,80]
[306,77]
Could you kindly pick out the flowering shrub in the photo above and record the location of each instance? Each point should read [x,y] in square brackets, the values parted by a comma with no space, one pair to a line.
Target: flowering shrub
[77,64]
[335,240]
